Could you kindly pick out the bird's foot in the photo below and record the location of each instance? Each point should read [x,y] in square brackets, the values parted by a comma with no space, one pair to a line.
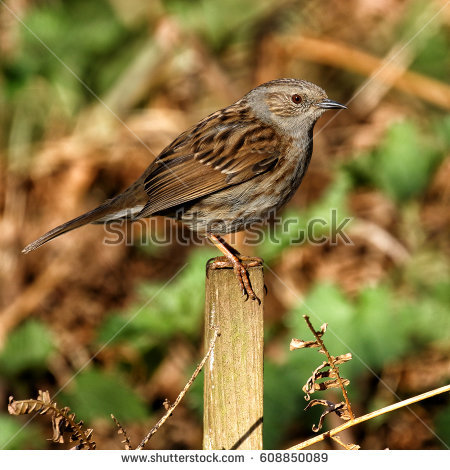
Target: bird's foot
[239,265]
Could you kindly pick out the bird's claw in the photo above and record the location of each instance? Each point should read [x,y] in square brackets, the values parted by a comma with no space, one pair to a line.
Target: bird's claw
[240,271]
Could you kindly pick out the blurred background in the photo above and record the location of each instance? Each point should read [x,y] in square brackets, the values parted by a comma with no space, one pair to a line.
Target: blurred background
[90,92]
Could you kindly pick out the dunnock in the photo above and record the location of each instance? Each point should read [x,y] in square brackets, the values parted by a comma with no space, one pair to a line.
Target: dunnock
[231,169]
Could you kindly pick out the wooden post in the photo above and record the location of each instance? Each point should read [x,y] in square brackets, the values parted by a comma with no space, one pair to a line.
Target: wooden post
[233,390]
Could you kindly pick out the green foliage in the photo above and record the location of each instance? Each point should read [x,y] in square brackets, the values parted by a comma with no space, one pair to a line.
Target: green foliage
[296,227]
[97,394]
[432,58]
[430,49]
[78,33]
[283,402]
[164,309]
[65,48]
[442,424]
[13,436]
[402,165]
[442,128]
[28,347]
[217,24]
[378,326]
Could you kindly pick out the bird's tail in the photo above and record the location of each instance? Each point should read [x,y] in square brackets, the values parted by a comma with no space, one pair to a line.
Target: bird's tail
[112,209]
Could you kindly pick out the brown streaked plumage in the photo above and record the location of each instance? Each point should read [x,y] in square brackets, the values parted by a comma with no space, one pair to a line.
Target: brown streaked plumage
[231,169]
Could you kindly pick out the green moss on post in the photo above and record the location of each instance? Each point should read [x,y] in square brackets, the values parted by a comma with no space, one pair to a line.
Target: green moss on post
[233,390]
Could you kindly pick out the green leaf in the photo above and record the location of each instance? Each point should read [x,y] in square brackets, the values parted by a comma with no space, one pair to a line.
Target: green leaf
[442,127]
[378,326]
[433,58]
[97,394]
[163,310]
[442,423]
[283,402]
[324,303]
[28,347]
[15,436]
[381,331]
[218,26]
[403,164]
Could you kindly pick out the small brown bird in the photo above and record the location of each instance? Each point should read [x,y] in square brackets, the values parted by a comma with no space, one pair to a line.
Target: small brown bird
[228,171]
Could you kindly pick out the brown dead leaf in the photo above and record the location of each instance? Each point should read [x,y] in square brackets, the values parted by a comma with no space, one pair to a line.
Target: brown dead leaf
[300,344]
[339,408]
[312,385]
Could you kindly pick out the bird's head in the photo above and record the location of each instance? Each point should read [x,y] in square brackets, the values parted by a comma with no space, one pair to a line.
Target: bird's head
[292,105]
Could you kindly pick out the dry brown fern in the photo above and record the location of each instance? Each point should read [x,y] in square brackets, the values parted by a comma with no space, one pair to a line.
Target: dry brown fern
[329,376]
[63,420]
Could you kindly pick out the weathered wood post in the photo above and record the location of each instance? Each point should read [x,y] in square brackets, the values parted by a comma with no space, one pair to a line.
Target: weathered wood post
[233,390]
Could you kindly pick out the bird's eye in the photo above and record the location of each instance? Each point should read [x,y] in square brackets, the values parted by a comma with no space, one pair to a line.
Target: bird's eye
[296,99]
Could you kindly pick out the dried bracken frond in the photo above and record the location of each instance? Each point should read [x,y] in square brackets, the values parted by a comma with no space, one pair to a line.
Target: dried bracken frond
[63,420]
[340,409]
[312,385]
[300,344]
[327,373]
[353,422]
[344,445]
[121,430]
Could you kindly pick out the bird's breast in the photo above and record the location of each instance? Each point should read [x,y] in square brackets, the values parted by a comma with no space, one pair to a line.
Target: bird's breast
[285,180]
[240,205]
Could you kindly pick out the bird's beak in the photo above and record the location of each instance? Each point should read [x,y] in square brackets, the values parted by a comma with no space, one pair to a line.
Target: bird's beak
[330,104]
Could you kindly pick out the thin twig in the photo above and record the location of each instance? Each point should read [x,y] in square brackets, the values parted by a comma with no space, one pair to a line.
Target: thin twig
[121,430]
[368,416]
[332,365]
[344,445]
[181,395]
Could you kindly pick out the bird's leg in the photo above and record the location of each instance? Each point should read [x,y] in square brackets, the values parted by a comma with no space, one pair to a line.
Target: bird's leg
[233,259]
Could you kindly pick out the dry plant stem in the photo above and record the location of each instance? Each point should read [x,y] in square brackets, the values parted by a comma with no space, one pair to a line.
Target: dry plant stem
[331,362]
[182,394]
[368,416]
[343,444]
[121,430]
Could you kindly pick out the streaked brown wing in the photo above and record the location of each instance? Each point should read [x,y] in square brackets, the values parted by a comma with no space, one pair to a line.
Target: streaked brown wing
[209,157]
